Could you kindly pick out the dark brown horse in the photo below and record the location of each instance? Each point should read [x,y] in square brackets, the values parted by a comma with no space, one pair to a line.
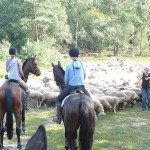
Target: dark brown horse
[78,113]
[29,66]
[39,140]
[11,102]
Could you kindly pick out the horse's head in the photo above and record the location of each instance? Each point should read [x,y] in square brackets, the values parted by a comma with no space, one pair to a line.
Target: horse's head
[30,66]
[59,75]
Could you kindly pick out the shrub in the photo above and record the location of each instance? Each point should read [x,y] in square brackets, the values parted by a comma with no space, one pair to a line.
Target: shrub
[4,46]
[44,52]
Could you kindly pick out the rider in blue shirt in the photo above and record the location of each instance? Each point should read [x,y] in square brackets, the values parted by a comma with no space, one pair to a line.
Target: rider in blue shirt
[75,74]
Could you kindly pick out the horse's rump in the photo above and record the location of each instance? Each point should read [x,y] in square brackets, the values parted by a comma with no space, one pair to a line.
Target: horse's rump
[16,91]
[76,106]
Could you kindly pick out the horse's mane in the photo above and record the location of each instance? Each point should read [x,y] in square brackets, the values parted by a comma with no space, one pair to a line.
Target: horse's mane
[24,64]
[62,70]
[59,73]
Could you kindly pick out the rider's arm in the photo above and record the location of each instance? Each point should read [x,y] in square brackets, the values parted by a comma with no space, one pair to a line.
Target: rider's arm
[6,67]
[20,68]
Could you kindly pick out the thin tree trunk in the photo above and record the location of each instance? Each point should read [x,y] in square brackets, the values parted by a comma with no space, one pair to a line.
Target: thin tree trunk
[141,39]
[77,24]
[36,25]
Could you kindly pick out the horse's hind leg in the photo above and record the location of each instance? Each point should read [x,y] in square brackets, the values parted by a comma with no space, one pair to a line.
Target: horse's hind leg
[1,132]
[18,131]
[23,121]
[66,142]
[75,143]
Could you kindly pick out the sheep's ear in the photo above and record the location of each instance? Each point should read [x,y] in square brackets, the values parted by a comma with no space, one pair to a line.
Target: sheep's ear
[52,64]
[59,64]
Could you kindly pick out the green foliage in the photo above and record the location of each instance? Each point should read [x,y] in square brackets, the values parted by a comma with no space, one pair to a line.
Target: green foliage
[44,52]
[11,29]
[4,47]
[93,25]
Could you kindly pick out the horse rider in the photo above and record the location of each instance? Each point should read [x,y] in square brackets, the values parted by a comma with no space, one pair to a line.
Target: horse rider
[145,87]
[75,74]
[15,72]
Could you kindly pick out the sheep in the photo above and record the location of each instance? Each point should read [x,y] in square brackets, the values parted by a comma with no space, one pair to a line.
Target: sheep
[35,84]
[98,107]
[49,89]
[48,76]
[137,90]
[49,97]
[104,103]
[35,95]
[116,93]
[131,96]
[114,101]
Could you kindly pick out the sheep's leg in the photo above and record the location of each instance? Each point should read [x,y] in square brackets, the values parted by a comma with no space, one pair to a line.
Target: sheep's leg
[114,108]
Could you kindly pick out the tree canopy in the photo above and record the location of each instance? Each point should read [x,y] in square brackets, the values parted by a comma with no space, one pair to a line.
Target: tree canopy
[91,25]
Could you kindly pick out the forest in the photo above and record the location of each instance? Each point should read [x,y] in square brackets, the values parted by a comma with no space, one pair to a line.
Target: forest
[47,27]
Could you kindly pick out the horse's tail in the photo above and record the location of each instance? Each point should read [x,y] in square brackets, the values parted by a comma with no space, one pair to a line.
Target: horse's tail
[9,114]
[85,135]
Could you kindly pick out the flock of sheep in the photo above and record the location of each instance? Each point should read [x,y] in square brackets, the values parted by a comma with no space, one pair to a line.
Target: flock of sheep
[112,86]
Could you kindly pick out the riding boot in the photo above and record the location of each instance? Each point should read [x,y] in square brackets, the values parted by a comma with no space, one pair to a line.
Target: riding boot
[26,105]
[57,119]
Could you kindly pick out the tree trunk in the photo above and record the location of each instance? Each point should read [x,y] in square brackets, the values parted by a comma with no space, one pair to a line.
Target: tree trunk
[141,39]
[77,24]
[115,50]
[36,25]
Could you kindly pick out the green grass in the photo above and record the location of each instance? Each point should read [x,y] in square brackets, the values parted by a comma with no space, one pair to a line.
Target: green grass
[126,130]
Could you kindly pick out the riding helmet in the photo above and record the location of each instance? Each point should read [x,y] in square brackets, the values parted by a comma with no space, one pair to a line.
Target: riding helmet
[12,51]
[73,52]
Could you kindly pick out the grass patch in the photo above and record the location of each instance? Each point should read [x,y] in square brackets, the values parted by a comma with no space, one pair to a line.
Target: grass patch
[126,130]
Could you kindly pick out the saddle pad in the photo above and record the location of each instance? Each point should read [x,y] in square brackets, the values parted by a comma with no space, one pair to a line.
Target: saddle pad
[62,104]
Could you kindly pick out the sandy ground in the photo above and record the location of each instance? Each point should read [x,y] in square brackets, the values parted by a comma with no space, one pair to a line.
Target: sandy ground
[12,144]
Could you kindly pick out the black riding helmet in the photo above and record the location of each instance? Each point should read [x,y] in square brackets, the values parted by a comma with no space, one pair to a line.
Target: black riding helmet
[73,52]
[12,51]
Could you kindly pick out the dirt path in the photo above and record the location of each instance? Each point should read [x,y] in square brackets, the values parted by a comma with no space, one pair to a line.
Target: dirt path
[12,144]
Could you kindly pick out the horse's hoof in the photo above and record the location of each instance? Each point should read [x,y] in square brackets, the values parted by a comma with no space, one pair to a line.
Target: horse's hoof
[1,146]
[19,146]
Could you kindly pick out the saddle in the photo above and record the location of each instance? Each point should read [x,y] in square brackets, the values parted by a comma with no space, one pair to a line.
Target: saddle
[14,81]
[77,89]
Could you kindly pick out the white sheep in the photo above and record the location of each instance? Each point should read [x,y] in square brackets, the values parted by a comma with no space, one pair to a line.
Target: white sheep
[114,101]
[35,95]
[104,102]
[116,93]
[49,97]
[131,96]
[98,107]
